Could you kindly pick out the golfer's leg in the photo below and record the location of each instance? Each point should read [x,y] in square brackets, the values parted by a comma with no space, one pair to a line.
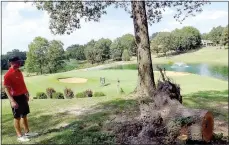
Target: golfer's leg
[25,124]
[17,126]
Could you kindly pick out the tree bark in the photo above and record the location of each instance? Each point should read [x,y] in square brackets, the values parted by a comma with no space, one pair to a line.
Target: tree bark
[146,83]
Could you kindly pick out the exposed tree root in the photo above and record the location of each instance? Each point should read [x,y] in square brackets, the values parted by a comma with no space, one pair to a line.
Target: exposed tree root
[164,120]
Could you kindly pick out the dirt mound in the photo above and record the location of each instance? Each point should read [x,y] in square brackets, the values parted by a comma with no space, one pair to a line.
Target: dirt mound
[73,80]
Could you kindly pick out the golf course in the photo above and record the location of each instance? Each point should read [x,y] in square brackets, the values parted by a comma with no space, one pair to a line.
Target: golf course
[83,120]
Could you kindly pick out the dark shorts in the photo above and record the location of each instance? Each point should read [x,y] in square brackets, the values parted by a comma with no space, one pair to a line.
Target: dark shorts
[23,106]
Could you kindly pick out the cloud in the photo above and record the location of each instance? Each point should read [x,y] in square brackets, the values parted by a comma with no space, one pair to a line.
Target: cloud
[212,15]
[19,30]
[17,6]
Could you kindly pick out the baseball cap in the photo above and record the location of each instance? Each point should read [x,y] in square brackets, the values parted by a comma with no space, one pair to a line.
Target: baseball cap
[14,58]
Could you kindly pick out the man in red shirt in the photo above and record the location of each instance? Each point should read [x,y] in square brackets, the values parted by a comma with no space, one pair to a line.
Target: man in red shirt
[18,95]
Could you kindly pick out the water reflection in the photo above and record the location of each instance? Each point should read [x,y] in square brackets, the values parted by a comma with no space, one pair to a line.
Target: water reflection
[220,72]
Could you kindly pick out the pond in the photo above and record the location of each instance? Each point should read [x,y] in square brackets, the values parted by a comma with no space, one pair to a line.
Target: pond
[215,71]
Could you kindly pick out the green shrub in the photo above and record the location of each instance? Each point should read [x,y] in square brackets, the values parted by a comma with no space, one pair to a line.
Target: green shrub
[49,92]
[68,93]
[35,98]
[125,55]
[89,93]
[58,95]
[41,95]
[81,95]
[99,94]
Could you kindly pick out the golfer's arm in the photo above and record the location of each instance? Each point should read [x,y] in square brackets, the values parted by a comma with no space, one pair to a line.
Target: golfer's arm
[8,94]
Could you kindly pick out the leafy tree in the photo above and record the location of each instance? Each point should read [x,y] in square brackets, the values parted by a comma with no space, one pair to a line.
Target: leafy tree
[154,46]
[4,62]
[55,56]
[162,42]
[184,39]
[76,51]
[215,34]
[127,42]
[205,36]
[177,40]
[225,38]
[14,52]
[153,36]
[116,50]
[90,52]
[65,18]
[102,47]
[125,55]
[191,38]
[36,56]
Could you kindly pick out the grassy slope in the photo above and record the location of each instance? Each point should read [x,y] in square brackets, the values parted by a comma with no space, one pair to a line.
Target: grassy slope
[209,55]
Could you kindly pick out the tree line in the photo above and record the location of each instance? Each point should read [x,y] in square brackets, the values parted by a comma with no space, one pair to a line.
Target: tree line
[179,40]
[218,35]
[187,38]
[99,51]
[14,52]
[46,56]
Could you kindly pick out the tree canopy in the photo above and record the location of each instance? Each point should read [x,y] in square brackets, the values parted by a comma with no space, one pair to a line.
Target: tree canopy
[215,34]
[14,52]
[76,51]
[65,16]
[178,40]
[44,56]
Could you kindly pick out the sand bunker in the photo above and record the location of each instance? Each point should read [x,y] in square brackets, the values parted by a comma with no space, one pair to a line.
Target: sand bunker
[173,73]
[73,80]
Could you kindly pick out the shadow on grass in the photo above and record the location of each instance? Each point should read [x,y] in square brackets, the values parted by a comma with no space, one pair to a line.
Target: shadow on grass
[214,101]
[88,128]
[83,129]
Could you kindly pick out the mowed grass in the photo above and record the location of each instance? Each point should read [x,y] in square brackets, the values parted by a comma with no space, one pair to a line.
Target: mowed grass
[128,81]
[47,116]
[209,55]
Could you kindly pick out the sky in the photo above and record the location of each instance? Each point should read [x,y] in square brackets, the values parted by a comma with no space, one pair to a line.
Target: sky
[22,22]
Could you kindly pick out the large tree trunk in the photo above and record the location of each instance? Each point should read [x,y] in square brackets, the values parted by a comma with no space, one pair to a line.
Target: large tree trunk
[146,83]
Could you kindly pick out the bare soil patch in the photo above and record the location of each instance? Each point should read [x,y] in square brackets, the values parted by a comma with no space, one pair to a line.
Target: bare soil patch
[221,127]
[73,80]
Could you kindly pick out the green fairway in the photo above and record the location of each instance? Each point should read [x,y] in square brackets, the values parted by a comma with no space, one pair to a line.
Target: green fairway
[210,55]
[128,81]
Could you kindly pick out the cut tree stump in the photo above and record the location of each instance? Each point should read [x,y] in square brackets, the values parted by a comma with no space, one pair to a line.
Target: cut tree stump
[201,129]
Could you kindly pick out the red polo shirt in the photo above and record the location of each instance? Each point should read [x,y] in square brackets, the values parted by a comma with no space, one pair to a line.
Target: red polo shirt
[14,81]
